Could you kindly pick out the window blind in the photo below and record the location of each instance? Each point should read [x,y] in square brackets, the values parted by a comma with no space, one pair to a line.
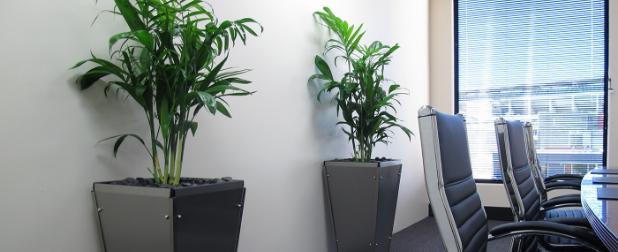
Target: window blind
[541,61]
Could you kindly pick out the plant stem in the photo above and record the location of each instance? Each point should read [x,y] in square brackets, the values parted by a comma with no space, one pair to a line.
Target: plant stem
[172,154]
[155,157]
[166,154]
[179,154]
[353,141]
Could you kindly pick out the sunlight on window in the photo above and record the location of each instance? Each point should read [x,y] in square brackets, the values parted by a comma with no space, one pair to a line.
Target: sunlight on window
[540,61]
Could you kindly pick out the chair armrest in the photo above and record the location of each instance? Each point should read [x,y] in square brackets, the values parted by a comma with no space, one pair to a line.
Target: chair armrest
[580,222]
[564,184]
[559,177]
[562,201]
[581,235]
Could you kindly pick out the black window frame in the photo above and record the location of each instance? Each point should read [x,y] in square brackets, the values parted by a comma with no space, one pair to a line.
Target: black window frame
[606,78]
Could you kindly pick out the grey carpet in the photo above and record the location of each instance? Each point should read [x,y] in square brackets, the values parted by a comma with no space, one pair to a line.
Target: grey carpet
[424,237]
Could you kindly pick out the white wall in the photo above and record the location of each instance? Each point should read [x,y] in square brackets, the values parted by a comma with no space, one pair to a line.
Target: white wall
[441,55]
[276,140]
[442,88]
[612,115]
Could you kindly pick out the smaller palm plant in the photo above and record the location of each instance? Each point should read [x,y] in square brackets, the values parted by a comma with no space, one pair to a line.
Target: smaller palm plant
[172,63]
[365,98]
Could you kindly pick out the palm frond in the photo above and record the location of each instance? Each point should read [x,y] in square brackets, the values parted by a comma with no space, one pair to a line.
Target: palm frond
[364,97]
[172,63]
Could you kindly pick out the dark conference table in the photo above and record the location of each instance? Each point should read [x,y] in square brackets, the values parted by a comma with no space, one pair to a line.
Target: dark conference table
[601,213]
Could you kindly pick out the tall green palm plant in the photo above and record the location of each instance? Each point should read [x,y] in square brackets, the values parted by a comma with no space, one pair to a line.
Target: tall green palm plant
[365,98]
[172,63]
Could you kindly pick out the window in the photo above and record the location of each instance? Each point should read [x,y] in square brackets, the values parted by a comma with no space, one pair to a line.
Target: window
[543,61]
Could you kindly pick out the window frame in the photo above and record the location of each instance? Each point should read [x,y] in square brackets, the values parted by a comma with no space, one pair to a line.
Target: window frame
[605,89]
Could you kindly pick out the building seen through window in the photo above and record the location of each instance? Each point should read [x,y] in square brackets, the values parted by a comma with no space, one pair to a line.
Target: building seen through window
[539,61]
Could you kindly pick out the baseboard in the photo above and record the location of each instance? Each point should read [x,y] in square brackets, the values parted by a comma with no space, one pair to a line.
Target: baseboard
[493,213]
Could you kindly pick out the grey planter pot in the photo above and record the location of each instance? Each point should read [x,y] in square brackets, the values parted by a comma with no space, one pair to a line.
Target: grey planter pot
[184,219]
[362,199]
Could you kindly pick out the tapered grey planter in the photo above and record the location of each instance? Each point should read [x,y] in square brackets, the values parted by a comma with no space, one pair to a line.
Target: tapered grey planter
[181,219]
[362,199]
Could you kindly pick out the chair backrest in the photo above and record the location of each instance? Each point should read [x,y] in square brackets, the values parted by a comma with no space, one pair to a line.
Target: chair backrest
[517,177]
[452,192]
[537,171]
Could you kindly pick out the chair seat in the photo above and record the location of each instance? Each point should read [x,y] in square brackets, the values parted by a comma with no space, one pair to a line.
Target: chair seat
[562,213]
[565,212]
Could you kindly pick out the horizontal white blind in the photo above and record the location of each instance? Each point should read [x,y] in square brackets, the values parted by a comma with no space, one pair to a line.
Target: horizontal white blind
[541,61]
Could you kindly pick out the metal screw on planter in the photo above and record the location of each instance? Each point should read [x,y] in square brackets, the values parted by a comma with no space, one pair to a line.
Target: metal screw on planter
[167,217]
[179,216]
[99,209]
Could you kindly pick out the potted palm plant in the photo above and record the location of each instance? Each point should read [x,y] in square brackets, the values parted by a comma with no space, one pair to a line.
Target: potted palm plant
[172,63]
[362,190]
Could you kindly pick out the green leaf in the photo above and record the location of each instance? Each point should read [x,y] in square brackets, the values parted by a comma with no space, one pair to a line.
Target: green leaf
[219,43]
[221,108]
[250,20]
[144,60]
[238,80]
[118,143]
[208,100]
[130,15]
[193,127]
[141,36]
[80,63]
[242,93]
[225,24]
[393,88]
[197,109]
[164,118]
[217,88]
[105,65]
[323,67]
[213,73]
[120,139]
[114,39]
[248,29]
[140,90]
[91,77]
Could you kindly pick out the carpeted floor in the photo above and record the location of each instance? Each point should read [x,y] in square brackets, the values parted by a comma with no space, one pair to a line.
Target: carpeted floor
[424,237]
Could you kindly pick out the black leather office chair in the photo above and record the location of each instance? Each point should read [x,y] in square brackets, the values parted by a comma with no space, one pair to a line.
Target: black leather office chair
[522,193]
[556,182]
[456,205]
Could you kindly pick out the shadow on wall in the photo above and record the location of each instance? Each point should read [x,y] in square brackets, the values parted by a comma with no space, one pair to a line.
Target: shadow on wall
[110,116]
[324,125]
